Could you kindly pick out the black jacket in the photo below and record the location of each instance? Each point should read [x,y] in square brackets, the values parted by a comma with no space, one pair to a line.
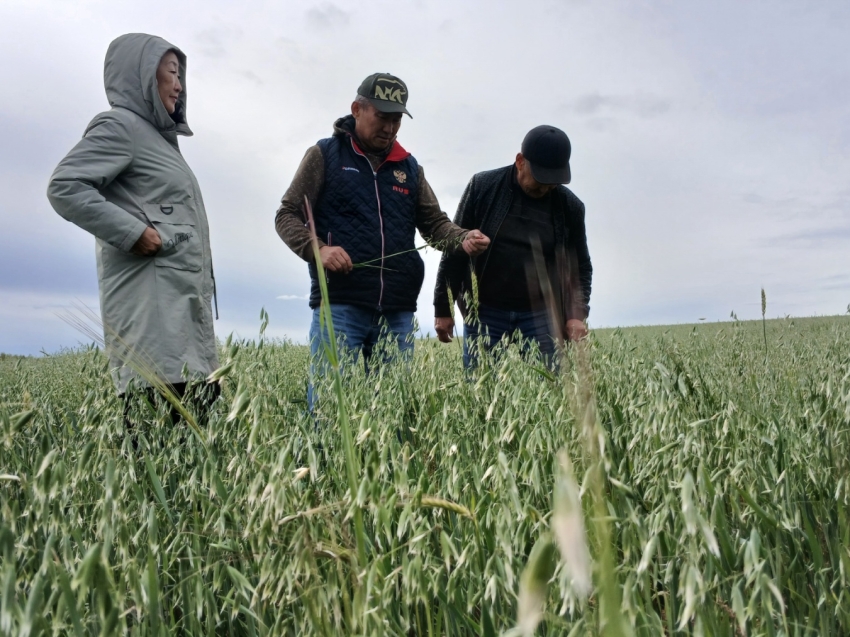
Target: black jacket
[484,205]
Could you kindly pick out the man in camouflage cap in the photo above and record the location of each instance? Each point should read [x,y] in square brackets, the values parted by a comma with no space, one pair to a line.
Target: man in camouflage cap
[369,196]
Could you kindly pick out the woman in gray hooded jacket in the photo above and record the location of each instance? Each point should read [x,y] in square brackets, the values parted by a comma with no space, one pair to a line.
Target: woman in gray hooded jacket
[127,183]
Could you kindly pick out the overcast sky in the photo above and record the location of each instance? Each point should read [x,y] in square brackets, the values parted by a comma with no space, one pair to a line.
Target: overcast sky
[711,140]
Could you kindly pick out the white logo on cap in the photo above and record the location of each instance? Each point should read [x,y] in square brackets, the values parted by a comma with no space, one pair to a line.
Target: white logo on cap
[389,93]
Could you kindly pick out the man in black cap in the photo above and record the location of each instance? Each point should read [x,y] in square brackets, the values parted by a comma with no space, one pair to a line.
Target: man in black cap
[368,196]
[535,277]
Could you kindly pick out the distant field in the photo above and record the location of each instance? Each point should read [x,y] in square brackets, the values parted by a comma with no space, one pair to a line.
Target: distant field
[710,469]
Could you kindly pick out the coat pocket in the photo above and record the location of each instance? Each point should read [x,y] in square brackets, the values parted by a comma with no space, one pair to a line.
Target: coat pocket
[181,242]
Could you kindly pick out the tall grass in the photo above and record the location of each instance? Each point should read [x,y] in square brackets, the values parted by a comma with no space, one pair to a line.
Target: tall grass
[718,483]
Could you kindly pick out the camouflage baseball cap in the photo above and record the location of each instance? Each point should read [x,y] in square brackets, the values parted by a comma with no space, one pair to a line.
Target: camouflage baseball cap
[386,92]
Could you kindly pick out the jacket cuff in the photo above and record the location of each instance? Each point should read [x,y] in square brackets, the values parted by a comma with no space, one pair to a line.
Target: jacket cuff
[134,234]
[580,313]
[458,247]
[442,310]
[307,252]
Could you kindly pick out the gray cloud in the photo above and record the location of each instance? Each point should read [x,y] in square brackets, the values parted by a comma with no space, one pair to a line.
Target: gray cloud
[252,77]
[753,198]
[745,56]
[32,325]
[817,237]
[30,266]
[835,282]
[327,16]
[640,104]
[210,43]
[829,210]
[601,124]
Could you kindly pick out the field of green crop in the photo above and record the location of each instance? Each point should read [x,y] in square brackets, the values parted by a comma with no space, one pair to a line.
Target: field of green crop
[691,480]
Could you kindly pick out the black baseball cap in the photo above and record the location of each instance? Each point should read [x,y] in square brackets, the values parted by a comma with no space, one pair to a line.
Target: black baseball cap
[386,92]
[547,150]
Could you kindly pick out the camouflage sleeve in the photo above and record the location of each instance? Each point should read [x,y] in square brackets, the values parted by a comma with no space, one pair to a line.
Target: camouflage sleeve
[433,224]
[291,220]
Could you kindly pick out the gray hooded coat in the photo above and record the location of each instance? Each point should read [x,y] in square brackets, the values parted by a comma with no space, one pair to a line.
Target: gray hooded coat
[127,173]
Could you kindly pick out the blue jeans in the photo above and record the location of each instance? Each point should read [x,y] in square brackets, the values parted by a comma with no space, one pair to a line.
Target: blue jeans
[358,329]
[494,324]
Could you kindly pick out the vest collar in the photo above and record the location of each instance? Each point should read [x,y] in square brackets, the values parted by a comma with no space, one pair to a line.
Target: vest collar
[397,152]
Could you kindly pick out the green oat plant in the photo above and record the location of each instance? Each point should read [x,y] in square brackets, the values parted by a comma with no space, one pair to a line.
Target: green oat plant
[356,616]
[763,320]
[723,481]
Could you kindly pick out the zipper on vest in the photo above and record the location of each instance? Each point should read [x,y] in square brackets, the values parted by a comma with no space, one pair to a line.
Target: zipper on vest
[380,219]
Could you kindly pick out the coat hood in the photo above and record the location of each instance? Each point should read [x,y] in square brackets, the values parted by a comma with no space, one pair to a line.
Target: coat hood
[344,126]
[129,75]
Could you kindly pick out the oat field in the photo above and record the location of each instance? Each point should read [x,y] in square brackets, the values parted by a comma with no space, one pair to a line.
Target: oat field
[690,480]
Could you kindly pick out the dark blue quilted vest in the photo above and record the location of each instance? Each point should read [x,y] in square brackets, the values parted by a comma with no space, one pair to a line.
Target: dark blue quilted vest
[372,216]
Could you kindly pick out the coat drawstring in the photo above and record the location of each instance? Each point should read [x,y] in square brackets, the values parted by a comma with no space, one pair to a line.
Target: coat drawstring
[215,294]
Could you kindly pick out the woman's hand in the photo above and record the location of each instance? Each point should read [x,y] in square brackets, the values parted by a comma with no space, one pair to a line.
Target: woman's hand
[148,244]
